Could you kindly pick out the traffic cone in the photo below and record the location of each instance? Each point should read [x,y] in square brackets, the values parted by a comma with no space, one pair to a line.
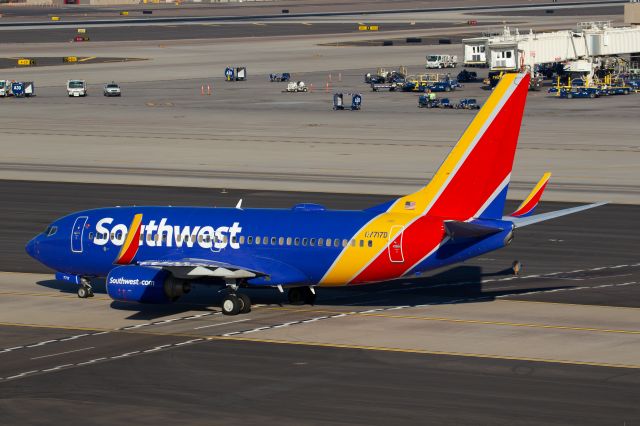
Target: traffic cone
[202,90]
[209,89]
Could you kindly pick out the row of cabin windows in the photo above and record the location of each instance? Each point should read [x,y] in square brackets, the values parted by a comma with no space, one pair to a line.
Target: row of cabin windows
[280,241]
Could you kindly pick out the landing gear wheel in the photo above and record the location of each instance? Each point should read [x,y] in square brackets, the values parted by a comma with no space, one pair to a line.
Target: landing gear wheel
[83,292]
[85,289]
[231,305]
[245,302]
[301,296]
[516,267]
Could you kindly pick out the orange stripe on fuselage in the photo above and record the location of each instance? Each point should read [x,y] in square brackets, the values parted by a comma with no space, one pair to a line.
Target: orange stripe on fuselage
[132,243]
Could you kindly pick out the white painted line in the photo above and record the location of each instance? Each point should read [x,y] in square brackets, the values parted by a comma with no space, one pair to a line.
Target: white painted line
[58,367]
[102,332]
[222,323]
[77,336]
[42,343]
[157,348]
[22,374]
[63,353]
[125,355]
[187,342]
[91,361]
[255,329]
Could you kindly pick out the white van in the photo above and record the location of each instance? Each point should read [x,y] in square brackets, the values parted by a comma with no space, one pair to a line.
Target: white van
[77,88]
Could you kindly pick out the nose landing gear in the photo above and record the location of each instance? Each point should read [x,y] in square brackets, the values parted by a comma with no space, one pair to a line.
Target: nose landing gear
[85,290]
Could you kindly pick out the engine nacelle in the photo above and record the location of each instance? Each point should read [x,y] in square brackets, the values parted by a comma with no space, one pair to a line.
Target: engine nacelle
[145,285]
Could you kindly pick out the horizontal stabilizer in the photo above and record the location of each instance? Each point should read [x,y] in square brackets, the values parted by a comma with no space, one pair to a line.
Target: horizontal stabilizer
[520,222]
[456,229]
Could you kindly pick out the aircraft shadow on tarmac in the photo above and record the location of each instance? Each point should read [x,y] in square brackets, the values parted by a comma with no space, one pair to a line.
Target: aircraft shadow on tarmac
[461,284]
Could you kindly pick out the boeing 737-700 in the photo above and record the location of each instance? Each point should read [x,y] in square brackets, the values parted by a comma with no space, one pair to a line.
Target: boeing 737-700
[153,254]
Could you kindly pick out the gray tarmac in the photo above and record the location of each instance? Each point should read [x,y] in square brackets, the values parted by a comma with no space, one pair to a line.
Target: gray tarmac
[471,344]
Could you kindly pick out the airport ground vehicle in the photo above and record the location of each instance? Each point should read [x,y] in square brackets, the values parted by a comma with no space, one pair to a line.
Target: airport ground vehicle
[296,86]
[465,76]
[580,92]
[17,89]
[443,86]
[392,87]
[285,76]
[428,100]
[235,73]
[112,89]
[441,61]
[76,88]
[467,103]
[338,101]
[152,254]
[5,88]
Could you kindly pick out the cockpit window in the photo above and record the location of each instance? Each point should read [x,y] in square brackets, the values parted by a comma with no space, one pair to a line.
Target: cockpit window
[50,230]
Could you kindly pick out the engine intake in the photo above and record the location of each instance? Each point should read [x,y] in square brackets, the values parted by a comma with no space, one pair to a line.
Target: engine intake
[144,285]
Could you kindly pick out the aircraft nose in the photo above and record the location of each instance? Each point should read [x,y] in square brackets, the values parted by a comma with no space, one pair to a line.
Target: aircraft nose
[32,248]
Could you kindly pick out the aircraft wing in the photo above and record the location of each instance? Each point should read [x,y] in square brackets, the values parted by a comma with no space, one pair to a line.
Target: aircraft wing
[194,268]
[256,269]
[520,222]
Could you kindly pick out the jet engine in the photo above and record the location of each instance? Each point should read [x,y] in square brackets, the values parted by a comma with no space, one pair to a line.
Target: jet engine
[145,285]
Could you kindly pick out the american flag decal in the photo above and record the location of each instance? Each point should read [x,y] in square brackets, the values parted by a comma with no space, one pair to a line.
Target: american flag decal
[410,205]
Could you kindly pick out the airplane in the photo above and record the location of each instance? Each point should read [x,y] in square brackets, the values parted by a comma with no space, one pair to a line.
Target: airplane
[153,254]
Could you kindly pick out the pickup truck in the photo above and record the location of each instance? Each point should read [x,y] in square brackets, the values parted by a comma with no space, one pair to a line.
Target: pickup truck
[76,88]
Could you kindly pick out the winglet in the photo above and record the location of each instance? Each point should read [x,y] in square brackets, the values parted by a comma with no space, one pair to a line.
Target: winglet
[529,204]
[132,243]
[239,205]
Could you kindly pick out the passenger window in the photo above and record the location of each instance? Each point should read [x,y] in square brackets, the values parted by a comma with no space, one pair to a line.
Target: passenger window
[297,241]
[312,242]
[178,238]
[234,239]
[361,243]
[370,243]
[320,242]
[249,240]
[304,242]
[273,241]
[288,241]
[241,239]
[265,241]
[352,242]
[257,240]
[336,242]
[281,241]
[344,243]
[90,236]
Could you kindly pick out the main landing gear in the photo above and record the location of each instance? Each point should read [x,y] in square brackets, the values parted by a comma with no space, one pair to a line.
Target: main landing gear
[302,296]
[235,303]
[85,290]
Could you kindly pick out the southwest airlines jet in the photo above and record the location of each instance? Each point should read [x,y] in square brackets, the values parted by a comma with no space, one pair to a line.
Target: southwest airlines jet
[153,254]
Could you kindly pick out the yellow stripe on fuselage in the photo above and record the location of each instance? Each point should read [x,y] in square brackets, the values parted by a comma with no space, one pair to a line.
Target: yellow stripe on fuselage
[352,260]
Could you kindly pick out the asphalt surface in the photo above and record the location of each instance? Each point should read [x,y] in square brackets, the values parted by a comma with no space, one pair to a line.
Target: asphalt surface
[231,382]
[205,31]
[187,360]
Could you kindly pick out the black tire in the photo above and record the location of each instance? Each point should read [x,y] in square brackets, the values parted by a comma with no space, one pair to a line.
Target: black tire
[447,89]
[83,292]
[626,92]
[569,96]
[245,302]
[231,305]
[592,95]
[309,297]
[296,296]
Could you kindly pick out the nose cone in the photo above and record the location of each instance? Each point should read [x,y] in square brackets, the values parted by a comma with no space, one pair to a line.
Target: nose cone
[32,248]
